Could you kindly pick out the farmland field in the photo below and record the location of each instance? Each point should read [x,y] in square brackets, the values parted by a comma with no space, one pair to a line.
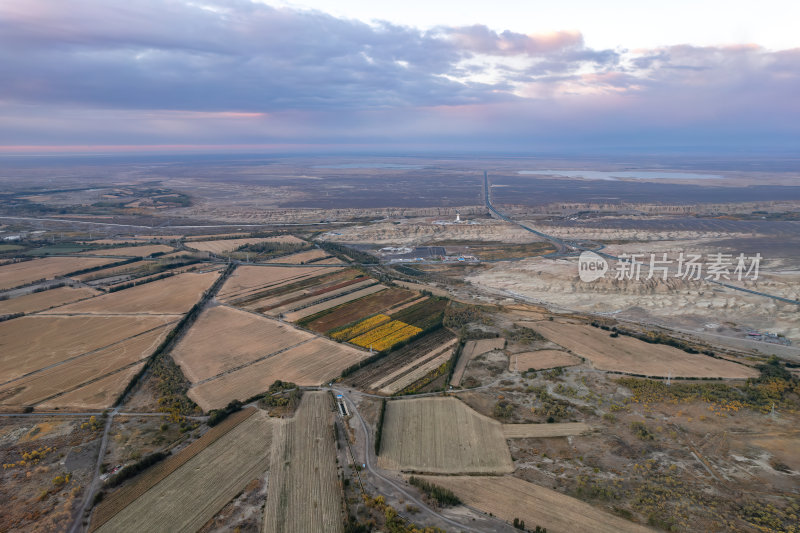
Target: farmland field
[16,274]
[99,394]
[386,335]
[39,301]
[115,271]
[563,429]
[311,363]
[341,300]
[133,251]
[247,279]
[408,354]
[224,338]
[303,492]
[473,349]
[124,496]
[229,245]
[32,343]
[301,257]
[626,354]
[540,360]
[197,490]
[442,436]
[415,371]
[326,293]
[296,289]
[173,295]
[508,498]
[347,313]
[77,376]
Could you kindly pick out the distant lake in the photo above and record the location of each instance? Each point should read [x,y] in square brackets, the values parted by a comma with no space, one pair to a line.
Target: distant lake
[623,174]
[370,165]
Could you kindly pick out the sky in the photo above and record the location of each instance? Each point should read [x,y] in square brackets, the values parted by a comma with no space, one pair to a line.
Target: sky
[97,76]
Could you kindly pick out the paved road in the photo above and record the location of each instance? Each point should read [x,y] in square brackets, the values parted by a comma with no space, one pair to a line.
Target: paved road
[571,245]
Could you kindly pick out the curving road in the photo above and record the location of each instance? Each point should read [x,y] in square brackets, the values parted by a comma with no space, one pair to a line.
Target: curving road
[564,245]
[496,524]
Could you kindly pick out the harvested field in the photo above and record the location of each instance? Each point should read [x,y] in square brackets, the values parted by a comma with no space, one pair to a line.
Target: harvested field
[508,498]
[229,245]
[301,258]
[312,363]
[629,355]
[224,338]
[416,370]
[473,349]
[414,351]
[16,274]
[34,342]
[121,498]
[292,290]
[133,251]
[99,394]
[248,279]
[197,490]
[39,301]
[321,296]
[83,371]
[341,300]
[130,268]
[303,492]
[350,312]
[563,429]
[173,295]
[442,436]
[541,359]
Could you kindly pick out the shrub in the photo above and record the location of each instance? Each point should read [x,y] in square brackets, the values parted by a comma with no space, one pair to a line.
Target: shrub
[440,495]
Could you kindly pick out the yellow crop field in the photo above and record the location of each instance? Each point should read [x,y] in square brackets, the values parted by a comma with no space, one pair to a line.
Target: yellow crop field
[359,328]
[508,498]
[303,492]
[173,295]
[386,335]
[197,490]
[16,274]
[442,436]
[39,301]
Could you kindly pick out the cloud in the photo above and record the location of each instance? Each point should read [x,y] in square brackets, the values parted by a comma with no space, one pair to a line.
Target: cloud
[176,71]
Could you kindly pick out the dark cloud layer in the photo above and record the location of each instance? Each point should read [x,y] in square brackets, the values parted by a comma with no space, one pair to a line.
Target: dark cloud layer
[149,71]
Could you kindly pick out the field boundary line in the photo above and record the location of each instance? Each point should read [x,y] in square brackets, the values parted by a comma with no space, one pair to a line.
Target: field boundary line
[254,361]
[85,354]
[407,369]
[150,478]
